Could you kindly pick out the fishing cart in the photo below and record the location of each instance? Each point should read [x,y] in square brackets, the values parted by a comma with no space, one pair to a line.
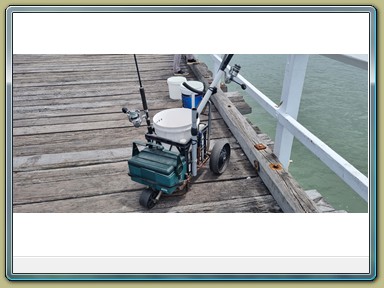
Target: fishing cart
[177,143]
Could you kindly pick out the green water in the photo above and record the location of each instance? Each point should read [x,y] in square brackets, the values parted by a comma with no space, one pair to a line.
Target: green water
[334,107]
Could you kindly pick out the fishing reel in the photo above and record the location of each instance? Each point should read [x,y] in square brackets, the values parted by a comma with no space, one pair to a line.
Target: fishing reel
[134,116]
[233,72]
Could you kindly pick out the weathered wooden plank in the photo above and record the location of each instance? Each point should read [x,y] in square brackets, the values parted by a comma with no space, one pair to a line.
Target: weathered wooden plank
[258,204]
[37,144]
[118,203]
[29,186]
[86,108]
[49,129]
[26,178]
[67,120]
[79,126]
[30,145]
[74,170]
[320,202]
[87,90]
[74,78]
[217,127]
[95,89]
[237,99]
[88,118]
[87,157]
[64,63]
[43,117]
[81,112]
[103,183]
[87,105]
[107,104]
[76,74]
[57,99]
[100,64]
[95,59]
[123,201]
[69,145]
[116,115]
[59,160]
[243,108]
[286,191]
[34,185]
[33,169]
[51,99]
[103,65]
[103,76]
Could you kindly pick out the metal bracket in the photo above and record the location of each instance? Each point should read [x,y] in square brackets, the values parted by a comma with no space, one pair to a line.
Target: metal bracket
[260,146]
[257,166]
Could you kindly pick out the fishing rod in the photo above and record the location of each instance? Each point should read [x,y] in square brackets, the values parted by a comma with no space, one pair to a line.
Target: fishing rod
[134,115]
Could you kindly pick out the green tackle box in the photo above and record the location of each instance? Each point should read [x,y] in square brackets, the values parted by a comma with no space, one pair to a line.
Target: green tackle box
[160,169]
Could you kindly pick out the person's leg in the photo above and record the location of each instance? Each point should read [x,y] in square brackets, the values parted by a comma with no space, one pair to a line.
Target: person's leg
[176,63]
[176,66]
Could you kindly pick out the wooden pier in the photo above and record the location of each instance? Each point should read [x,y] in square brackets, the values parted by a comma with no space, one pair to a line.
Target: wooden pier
[71,141]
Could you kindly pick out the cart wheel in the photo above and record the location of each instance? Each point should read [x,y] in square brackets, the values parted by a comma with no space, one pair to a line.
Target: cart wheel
[148,198]
[220,155]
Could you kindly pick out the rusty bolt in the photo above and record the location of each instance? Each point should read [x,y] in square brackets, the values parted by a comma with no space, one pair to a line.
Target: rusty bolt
[275,166]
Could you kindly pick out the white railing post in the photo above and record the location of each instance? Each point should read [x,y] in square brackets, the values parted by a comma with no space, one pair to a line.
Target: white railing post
[216,65]
[290,104]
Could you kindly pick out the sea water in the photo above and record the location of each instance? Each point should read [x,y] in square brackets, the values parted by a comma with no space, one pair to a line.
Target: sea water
[334,106]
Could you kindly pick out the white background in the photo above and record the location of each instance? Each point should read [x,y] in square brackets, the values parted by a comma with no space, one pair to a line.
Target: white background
[191,234]
[200,33]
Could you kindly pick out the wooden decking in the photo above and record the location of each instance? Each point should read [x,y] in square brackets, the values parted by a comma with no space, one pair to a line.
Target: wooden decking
[71,142]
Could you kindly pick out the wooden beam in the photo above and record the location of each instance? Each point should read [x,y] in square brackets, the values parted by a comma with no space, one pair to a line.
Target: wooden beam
[283,187]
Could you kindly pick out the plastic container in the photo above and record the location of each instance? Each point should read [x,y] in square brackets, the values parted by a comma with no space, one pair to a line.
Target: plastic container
[186,94]
[158,169]
[174,124]
[174,86]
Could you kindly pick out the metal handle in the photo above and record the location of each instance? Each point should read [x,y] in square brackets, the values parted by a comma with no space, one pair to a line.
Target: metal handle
[185,84]
[135,149]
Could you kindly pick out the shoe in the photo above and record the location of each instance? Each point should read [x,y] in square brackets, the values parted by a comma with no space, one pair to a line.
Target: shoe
[192,62]
[181,73]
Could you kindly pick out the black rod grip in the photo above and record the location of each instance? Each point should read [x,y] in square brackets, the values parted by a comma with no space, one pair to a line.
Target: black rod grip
[143,99]
[145,108]
[225,62]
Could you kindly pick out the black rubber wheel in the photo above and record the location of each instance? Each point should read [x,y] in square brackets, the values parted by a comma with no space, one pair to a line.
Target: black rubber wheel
[148,198]
[220,156]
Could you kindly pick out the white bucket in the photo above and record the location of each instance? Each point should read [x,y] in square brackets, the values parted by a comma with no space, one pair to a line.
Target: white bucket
[174,124]
[174,86]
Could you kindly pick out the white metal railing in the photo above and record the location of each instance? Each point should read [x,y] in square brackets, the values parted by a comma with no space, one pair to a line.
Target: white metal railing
[288,127]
